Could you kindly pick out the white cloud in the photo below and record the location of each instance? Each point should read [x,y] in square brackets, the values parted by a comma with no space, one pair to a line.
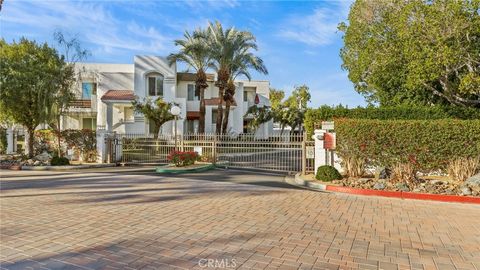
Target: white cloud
[92,21]
[210,4]
[318,28]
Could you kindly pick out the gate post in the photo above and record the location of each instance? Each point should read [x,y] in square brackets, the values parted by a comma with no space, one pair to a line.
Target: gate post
[304,154]
[320,151]
[214,148]
[101,146]
[182,145]
[10,141]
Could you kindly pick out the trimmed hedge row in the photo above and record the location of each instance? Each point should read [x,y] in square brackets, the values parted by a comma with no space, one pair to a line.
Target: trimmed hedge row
[327,113]
[428,144]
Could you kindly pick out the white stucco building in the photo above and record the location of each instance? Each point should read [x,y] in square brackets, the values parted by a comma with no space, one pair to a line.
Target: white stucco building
[105,92]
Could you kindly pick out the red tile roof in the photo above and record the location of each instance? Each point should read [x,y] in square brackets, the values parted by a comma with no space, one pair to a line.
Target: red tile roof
[214,101]
[118,95]
[193,115]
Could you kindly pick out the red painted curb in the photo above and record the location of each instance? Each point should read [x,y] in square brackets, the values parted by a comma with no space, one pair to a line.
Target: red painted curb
[405,195]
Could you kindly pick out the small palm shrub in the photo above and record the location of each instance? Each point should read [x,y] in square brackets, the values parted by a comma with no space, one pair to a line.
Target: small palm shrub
[354,166]
[327,173]
[404,173]
[462,168]
[59,161]
[181,159]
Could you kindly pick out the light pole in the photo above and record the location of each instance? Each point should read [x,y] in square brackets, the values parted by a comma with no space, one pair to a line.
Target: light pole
[175,111]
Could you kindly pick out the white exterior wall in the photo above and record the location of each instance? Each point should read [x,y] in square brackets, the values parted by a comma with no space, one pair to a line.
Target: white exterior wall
[145,65]
[133,77]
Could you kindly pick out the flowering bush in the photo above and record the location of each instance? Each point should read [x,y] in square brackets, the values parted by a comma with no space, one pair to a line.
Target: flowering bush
[180,158]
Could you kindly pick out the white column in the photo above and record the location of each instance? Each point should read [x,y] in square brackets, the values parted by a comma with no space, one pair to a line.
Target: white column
[320,152]
[101,147]
[10,141]
[109,126]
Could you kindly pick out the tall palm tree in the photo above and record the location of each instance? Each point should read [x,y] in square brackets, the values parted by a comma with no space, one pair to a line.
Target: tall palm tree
[194,52]
[230,50]
[243,61]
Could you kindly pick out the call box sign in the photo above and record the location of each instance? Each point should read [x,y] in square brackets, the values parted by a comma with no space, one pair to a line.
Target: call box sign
[327,125]
[329,141]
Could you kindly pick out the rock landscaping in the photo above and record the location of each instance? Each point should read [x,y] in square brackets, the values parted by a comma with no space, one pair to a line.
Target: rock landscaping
[471,187]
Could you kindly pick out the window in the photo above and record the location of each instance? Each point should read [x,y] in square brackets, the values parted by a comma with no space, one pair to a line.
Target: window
[192,126]
[191,93]
[249,96]
[88,89]
[155,85]
[89,123]
[214,116]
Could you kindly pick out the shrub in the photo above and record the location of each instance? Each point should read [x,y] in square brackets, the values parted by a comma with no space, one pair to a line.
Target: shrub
[354,166]
[327,113]
[44,141]
[462,168]
[59,161]
[3,140]
[426,144]
[404,173]
[181,159]
[327,173]
[85,140]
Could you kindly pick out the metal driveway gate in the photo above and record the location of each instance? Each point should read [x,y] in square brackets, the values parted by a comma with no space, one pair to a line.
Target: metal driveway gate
[283,153]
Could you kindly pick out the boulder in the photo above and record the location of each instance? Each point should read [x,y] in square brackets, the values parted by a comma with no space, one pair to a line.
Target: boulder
[43,157]
[37,163]
[379,186]
[473,181]
[402,187]
[383,173]
[466,191]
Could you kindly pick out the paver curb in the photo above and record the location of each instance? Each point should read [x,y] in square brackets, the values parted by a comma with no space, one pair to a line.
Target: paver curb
[67,167]
[167,169]
[384,193]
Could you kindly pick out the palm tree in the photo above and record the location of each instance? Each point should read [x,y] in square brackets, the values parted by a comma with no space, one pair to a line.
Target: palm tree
[240,65]
[194,52]
[230,50]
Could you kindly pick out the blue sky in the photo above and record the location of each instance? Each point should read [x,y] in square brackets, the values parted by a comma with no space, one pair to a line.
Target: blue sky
[298,41]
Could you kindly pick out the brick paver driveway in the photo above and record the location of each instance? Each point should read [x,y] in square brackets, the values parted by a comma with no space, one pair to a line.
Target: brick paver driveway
[132,220]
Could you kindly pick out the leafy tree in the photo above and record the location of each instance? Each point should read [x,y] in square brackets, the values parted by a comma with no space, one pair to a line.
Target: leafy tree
[194,52]
[414,52]
[157,112]
[260,115]
[30,76]
[286,112]
[292,111]
[276,97]
[71,52]
[231,51]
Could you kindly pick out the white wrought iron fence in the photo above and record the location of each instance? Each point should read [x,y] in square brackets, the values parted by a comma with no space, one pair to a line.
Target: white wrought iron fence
[282,152]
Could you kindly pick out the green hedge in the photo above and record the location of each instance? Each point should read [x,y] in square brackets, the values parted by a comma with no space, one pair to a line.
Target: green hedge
[430,144]
[327,113]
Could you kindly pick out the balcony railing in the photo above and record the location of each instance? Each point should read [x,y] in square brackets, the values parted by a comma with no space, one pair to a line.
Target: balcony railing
[81,103]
